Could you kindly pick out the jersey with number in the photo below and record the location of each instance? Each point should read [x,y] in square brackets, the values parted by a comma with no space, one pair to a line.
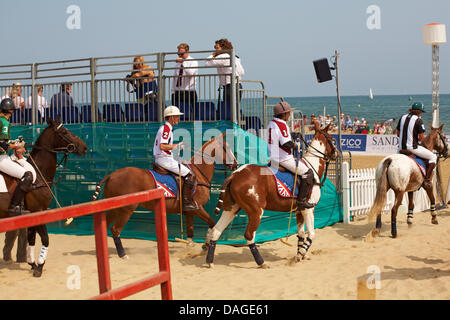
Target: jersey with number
[278,135]
[4,134]
[164,135]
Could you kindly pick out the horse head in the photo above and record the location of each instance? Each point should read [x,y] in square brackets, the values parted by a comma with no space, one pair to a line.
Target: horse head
[218,150]
[326,139]
[57,138]
[439,141]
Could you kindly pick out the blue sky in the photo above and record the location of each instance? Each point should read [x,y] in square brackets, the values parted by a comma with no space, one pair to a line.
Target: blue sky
[276,40]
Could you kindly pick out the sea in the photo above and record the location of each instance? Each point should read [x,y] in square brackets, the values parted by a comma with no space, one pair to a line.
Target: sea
[381,108]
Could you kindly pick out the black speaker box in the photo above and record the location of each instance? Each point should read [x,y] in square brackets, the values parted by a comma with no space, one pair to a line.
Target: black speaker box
[322,70]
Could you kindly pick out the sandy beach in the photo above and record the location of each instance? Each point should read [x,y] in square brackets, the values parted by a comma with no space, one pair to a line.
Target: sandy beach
[416,265]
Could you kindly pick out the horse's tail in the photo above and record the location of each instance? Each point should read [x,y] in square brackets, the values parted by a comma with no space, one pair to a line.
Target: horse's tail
[99,187]
[224,191]
[382,189]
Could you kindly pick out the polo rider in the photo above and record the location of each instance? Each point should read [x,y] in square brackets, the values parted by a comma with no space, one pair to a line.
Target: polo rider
[410,130]
[162,151]
[280,152]
[19,168]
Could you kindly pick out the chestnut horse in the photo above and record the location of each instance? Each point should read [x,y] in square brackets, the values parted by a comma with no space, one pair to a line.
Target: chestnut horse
[130,180]
[401,174]
[253,189]
[54,139]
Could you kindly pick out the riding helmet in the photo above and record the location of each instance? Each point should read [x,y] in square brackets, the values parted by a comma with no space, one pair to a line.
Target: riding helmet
[7,105]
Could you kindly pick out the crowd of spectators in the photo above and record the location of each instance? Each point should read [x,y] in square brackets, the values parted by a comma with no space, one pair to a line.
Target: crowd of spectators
[350,126]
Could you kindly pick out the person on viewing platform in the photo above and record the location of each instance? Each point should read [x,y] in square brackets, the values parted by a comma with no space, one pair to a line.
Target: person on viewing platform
[63,99]
[382,129]
[142,81]
[356,124]
[41,102]
[184,81]
[411,130]
[224,68]
[15,93]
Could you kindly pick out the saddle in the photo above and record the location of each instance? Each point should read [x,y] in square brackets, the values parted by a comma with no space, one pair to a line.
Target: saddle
[284,180]
[422,163]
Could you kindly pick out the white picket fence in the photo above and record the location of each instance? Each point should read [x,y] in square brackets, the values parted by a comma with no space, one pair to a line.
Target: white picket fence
[359,189]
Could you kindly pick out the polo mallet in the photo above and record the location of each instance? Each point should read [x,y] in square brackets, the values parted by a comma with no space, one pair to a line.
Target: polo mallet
[181,196]
[297,158]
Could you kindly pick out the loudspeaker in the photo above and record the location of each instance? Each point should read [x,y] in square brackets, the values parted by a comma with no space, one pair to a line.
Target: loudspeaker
[322,70]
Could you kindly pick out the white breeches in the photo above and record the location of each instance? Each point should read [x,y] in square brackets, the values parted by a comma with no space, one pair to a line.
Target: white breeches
[171,165]
[15,169]
[425,154]
[290,165]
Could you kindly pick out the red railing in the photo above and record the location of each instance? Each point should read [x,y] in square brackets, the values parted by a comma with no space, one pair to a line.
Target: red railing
[98,208]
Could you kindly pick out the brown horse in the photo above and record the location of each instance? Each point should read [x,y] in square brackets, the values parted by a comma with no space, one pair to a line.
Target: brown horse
[253,189]
[55,138]
[130,180]
[401,174]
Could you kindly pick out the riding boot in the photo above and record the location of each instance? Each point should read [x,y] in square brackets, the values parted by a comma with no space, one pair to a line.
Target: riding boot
[429,175]
[304,191]
[189,204]
[15,207]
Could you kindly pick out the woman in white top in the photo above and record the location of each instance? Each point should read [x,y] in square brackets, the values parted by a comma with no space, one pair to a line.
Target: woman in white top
[41,102]
[224,67]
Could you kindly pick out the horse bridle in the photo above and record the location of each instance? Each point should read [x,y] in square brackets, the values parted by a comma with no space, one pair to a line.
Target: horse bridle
[233,166]
[323,156]
[443,154]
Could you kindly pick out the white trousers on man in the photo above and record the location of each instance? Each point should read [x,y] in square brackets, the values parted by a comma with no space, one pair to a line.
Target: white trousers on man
[16,168]
[425,154]
[289,165]
[170,164]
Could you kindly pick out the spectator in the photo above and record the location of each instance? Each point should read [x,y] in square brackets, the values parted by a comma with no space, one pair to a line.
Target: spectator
[356,124]
[63,98]
[348,124]
[382,129]
[376,128]
[143,80]
[305,120]
[321,121]
[224,68]
[184,81]
[41,102]
[327,120]
[14,93]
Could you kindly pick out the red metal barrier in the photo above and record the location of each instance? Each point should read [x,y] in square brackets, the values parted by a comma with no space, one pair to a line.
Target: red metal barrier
[98,208]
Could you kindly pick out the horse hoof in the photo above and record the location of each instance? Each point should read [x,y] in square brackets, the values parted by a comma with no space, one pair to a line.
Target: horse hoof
[9,261]
[125,257]
[38,271]
[409,222]
[210,265]
[434,221]
[263,266]
[394,236]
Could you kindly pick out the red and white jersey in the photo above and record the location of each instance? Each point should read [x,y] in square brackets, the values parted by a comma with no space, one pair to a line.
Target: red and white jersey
[164,135]
[278,135]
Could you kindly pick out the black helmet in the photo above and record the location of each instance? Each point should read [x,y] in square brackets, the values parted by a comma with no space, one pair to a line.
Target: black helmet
[7,105]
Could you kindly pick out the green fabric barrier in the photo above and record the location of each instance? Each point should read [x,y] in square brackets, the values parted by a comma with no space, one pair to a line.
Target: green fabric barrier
[113,146]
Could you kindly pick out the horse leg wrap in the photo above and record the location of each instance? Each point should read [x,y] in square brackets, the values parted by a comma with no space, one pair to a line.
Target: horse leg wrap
[42,255]
[30,255]
[304,247]
[410,216]
[394,228]
[119,247]
[378,224]
[256,255]
[433,210]
[211,250]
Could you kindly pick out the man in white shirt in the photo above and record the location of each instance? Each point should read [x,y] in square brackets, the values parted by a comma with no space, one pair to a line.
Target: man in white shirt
[280,152]
[41,102]
[184,81]
[224,68]
[162,151]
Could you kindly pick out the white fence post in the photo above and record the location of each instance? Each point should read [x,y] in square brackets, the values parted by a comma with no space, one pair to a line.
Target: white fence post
[345,193]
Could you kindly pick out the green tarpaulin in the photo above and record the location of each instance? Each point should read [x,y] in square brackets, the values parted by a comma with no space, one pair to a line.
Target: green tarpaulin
[113,146]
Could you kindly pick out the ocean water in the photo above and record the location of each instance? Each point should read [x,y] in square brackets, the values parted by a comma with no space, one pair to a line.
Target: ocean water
[381,108]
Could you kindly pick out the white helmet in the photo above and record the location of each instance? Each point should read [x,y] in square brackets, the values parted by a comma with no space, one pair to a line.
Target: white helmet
[172,111]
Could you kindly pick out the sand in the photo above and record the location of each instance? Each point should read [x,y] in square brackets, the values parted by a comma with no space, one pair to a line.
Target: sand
[416,265]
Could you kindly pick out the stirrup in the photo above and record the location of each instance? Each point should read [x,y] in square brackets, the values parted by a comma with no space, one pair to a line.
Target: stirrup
[305,205]
[189,205]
